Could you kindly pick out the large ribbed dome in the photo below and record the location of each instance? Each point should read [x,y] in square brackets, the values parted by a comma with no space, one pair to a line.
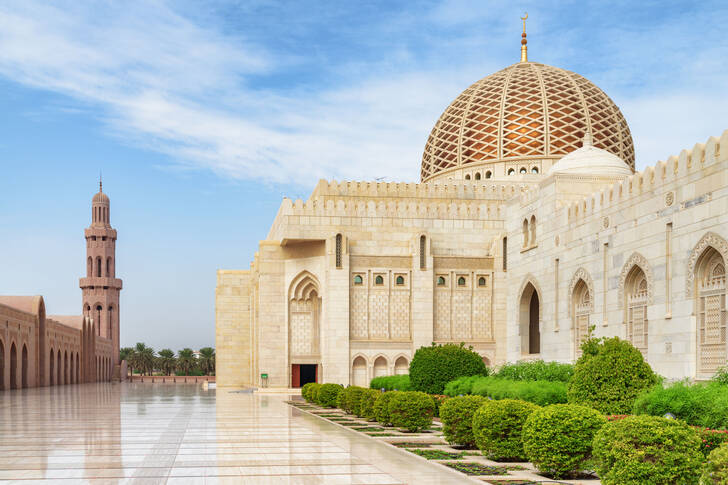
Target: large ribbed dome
[526,111]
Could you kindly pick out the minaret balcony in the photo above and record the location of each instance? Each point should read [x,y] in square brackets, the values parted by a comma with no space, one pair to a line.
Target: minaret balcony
[99,282]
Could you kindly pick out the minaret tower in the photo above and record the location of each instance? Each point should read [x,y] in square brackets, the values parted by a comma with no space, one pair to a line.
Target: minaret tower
[100,287]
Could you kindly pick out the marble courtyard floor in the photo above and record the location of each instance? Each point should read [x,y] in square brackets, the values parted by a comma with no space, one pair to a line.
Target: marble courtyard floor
[162,433]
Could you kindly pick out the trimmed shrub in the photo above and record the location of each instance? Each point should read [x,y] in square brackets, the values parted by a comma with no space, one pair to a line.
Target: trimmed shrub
[498,427]
[381,408]
[715,471]
[462,386]
[542,393]
[350,399]
[390,383]
[433,367]
[536,370]
[704,405]
[558,439]
[306,391]
[366,403]
[609,376]
[328,395]
[647,449]
[456,415]
[313,392]
[411,410]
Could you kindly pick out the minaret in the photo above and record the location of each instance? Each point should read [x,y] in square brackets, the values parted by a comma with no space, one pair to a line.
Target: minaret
[100,287]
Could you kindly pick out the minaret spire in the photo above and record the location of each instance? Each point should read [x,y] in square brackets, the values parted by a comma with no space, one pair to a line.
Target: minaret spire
[524,47]
[100,182]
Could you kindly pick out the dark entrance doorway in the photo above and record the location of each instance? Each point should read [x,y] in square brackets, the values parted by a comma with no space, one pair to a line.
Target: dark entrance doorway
[534,334]
[303,374]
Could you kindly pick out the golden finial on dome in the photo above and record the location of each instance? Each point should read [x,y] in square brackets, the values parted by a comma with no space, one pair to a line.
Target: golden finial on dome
[524,47]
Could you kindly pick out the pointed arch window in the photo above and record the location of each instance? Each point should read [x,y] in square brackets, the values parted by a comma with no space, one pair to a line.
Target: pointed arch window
[379,280]
[440,281]
[338,250]
[423,254]
[358,280]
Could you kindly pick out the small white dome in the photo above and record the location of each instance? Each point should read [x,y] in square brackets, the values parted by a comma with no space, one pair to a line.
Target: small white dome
[590,160]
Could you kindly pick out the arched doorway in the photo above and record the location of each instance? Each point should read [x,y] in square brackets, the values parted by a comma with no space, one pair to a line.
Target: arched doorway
[24,367]
[529,320]
[13,367]
[580,310]
[359,372]
[78,370]
[401,366]
[635,293]
[59,369]
[710,304]
[304,316]
[380,367]
[65,367]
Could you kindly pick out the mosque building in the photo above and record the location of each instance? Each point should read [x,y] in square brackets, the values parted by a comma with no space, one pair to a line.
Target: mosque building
[529,230]
[50,350]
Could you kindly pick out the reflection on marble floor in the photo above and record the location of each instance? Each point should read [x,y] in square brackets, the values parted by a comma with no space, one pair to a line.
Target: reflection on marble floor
[161,433]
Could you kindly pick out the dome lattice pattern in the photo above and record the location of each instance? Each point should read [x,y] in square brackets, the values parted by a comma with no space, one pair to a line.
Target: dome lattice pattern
[527,110]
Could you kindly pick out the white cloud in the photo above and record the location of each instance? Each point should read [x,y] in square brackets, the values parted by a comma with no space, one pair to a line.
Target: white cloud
[166,83]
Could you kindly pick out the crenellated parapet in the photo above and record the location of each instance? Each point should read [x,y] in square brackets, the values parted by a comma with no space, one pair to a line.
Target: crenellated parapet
[653,179]
[458,189]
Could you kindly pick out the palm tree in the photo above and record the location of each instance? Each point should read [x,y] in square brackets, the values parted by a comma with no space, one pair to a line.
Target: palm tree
[185,361]
[166,361]
[126,353]
[207,360]
[143,358]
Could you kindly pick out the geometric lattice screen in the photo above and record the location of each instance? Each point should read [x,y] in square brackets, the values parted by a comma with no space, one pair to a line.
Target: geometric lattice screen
[526,110]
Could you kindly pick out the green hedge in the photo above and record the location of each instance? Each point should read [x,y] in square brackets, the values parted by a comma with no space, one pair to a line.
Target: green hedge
[433,367]
[715,471]
[498,428]
[703,405]
[609,376]
[366,404]
[538,392]
[536,370]
[456,415]
[411,410]
[558,439]
[462,386]
[328,395]
[391,383]
[647,449]
[381,408]
[350,399]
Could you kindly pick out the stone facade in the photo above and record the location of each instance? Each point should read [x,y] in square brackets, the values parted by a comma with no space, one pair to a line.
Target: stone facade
[520,256]
[40,350]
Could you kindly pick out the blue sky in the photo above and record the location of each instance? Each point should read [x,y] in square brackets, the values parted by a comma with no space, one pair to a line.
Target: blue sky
[202,115]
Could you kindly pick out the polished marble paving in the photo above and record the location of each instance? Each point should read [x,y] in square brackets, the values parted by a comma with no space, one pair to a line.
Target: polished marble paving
[162,433]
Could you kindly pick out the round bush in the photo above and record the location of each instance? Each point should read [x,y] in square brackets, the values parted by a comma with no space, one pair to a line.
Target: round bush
[350,400]
[498,426]
[381,408]
[558,439]
[433,367]
[647,449]
[366,404]
[328,395]
[609,375]
[306,391]
[411,410]
[715,471]
[456,415]
[312,392]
